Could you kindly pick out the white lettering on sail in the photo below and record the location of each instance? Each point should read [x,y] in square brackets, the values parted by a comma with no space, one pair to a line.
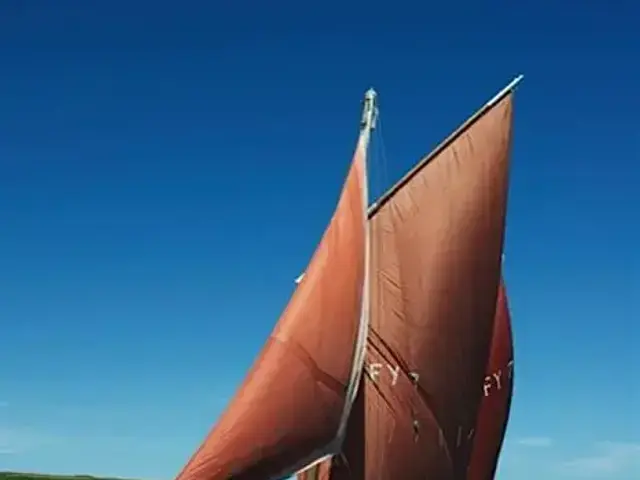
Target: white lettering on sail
[394,374]
[487,385]
[497,376]
[496,380]
[375,370]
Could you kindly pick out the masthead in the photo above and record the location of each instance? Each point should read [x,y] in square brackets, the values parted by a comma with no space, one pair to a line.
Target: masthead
[369,110]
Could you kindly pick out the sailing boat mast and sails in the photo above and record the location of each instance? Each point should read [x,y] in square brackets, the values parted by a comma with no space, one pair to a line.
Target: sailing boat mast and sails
[378,367]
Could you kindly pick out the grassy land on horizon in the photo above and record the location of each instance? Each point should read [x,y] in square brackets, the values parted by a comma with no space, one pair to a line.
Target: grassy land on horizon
[45,476]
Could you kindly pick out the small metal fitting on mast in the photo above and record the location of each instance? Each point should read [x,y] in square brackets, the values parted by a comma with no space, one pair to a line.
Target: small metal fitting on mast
[369,110]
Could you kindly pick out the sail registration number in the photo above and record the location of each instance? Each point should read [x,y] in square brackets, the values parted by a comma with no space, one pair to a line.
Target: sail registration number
[493,381]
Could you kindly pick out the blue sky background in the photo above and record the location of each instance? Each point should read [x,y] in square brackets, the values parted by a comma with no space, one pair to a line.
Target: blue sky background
[166,171]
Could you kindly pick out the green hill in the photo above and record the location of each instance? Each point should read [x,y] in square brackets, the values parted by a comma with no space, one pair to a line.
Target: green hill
[41,476]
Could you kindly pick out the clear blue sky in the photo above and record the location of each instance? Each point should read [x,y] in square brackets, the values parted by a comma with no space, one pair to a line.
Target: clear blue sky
[166,171]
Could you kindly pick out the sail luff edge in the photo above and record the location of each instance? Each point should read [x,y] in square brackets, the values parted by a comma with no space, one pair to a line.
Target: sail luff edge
[386,196]
[367,125]
[330,449]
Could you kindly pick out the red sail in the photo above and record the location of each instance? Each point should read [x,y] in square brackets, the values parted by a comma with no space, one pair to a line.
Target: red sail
[293,406]
[496,401]
[435,274]
[436,242]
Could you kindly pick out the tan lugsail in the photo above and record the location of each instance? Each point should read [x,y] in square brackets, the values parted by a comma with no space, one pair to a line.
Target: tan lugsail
[293,406]
[496,402]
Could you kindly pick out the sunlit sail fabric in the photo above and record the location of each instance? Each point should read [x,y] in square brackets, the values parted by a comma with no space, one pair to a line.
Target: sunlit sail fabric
[295,400]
